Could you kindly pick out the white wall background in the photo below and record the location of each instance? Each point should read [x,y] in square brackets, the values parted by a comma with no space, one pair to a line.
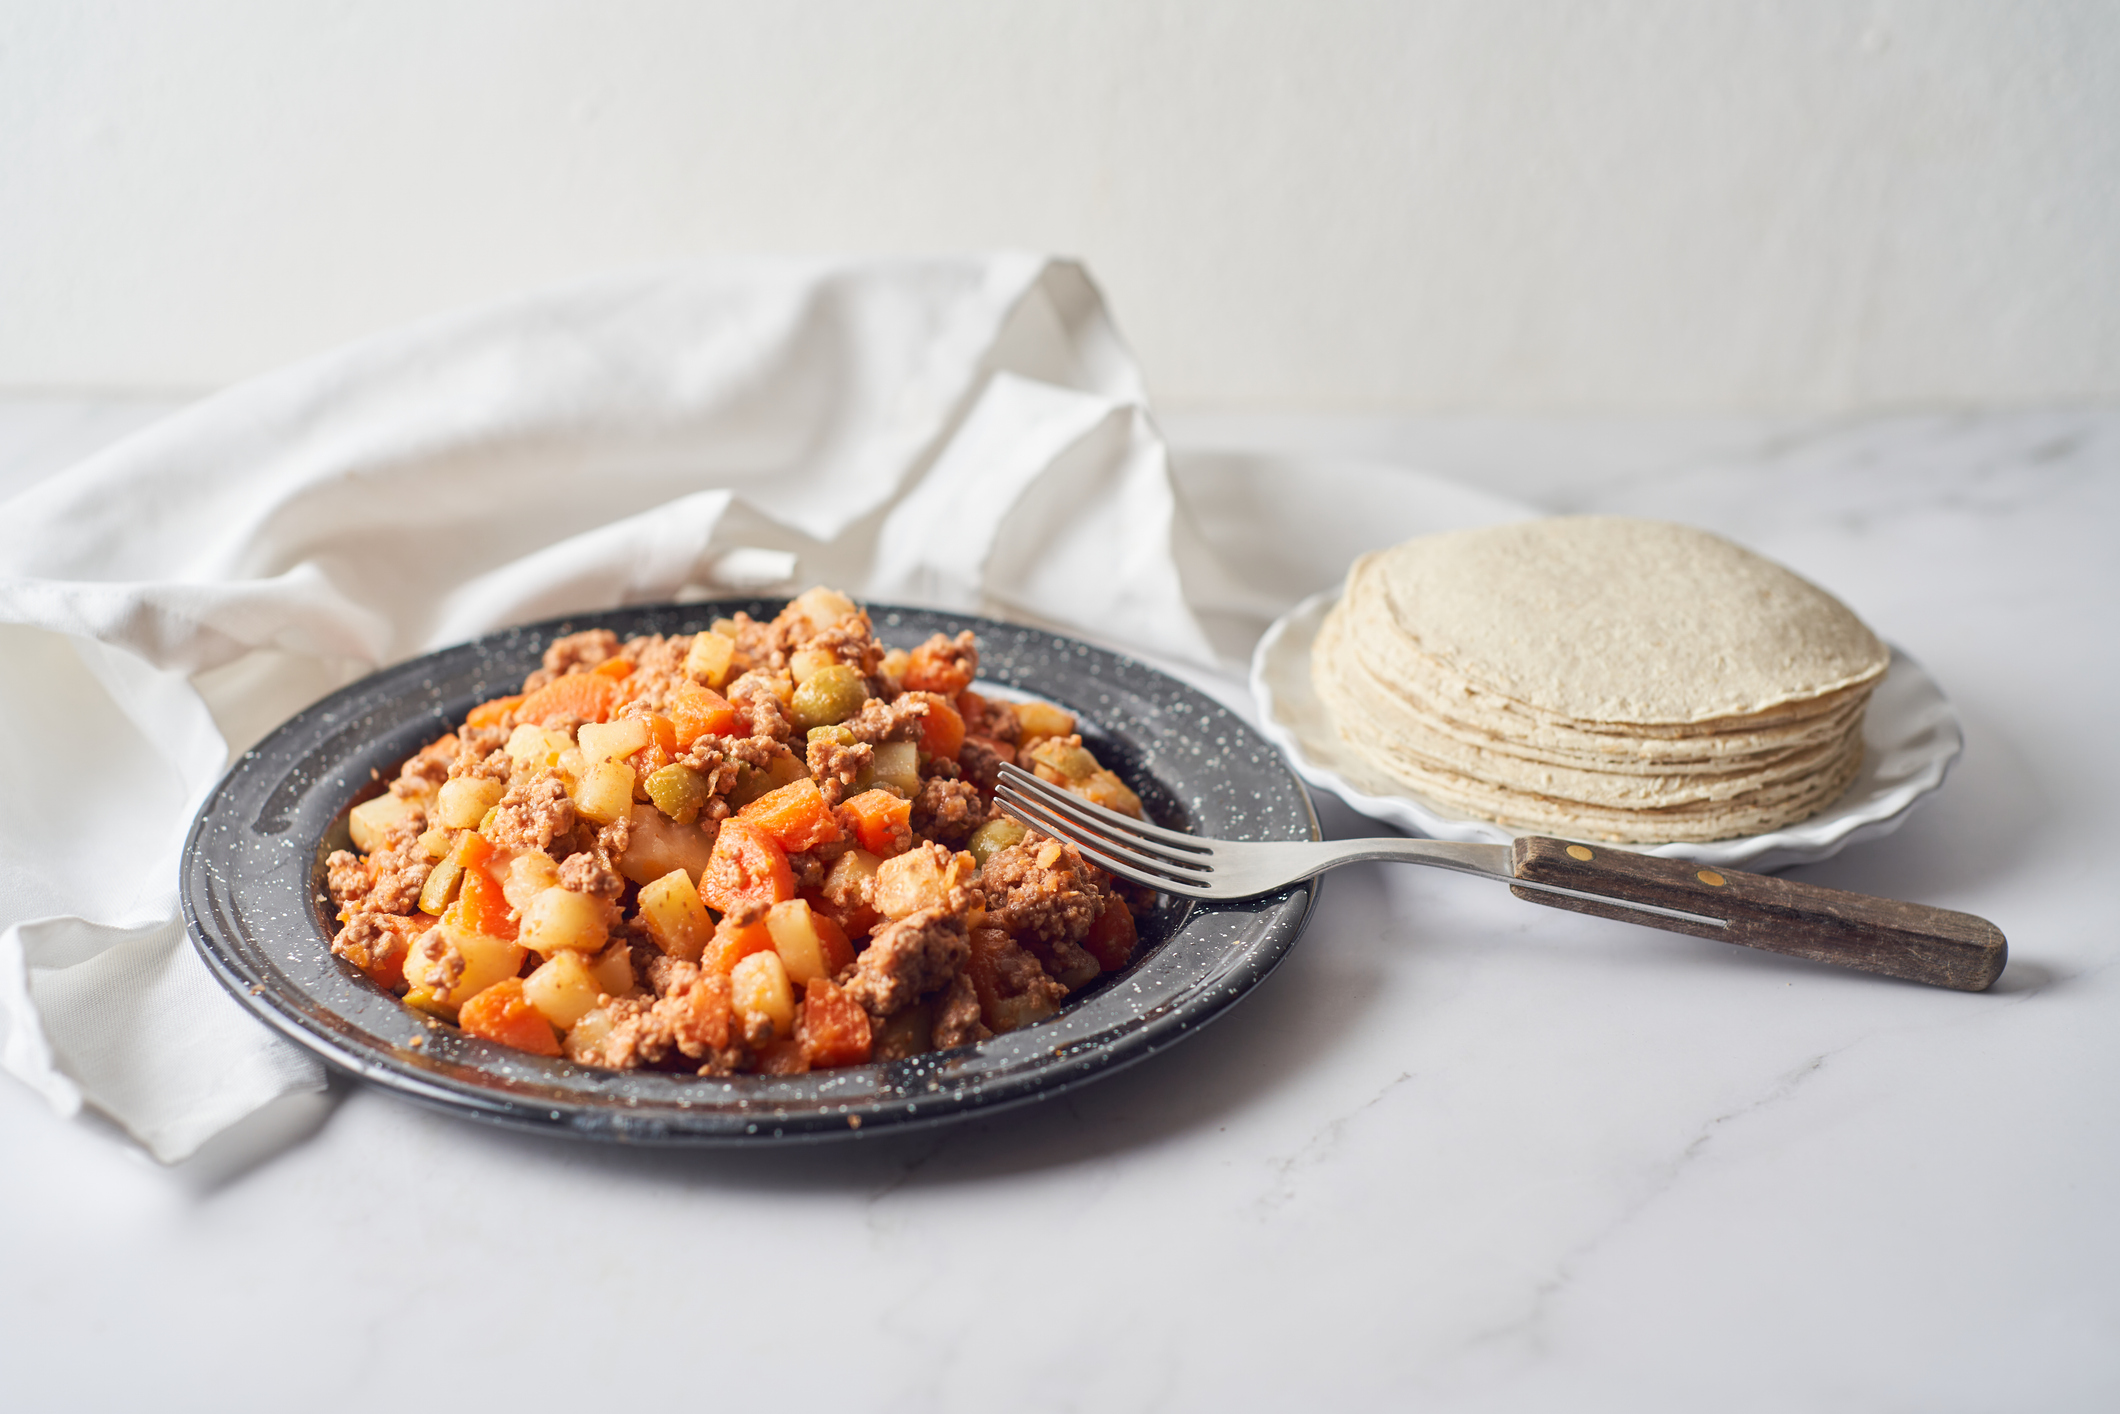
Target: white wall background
[1710,206]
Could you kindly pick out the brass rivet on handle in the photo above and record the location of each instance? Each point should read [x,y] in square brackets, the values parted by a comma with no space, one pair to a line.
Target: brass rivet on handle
[1576,851]
[1710,878]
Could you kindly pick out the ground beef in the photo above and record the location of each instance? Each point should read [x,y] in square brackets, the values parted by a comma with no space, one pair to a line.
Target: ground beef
[948,811]
[398,871]
[482,753]
[852,642]
[956,1013]
[1042,891]
[346,877]
[980,761]
[881,721]
[808,869]
[533,813]
[755,696]
[908,957]
[658,667]
[593,870]
[692,1018]
[756,641]
[995,721]
[837,767]
[370,939]
[574,653]
[427,770]
[721,759]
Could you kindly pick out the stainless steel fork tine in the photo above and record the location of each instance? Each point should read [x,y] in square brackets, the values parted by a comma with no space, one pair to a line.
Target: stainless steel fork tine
[1094,848]
[1190,844]
[1052,822]
[1093,817]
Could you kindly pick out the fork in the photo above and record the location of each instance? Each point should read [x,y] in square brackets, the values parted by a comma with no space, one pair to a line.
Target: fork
[1905,940]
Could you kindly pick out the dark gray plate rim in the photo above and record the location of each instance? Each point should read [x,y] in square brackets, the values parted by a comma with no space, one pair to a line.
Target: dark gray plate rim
[255,907]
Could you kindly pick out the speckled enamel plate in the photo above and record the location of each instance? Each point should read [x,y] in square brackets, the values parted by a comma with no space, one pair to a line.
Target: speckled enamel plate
[255,904]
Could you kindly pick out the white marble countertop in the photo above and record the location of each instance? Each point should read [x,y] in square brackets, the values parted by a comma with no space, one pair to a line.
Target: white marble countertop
[1457,1153]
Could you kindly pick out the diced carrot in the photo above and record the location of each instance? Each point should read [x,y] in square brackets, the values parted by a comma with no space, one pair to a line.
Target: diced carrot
[648,760]
[665,731]
[502,1013]
[697,711]
[783,1057]
[832,1027]
[856,920]
[942,729]
[971,705]
[614,668]
[731,944]
[481,906]
[838,951]
[586,696]
[939,665]
[489,714]
[472,849]
[795,815]
[1111,938]
[883,822]
[745,867]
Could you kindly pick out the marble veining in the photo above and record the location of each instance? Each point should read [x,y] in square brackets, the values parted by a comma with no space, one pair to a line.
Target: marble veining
[1455,1153]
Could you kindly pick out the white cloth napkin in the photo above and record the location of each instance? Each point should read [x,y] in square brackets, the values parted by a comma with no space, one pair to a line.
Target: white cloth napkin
[964,433]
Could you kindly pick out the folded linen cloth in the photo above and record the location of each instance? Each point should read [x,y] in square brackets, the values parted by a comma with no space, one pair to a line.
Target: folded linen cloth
[962,433]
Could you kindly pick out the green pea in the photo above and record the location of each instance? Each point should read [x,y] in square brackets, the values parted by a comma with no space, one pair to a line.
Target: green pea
[838,736]
[993,837]
[831,696]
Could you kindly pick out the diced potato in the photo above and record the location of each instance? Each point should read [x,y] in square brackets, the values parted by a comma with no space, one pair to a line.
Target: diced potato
[709,659]
[657,845]
[759,987]
[804,663]
[435,843]
[917,879]
[1039,719]
[613,970]
[898,767]
[486,960]
[585,1039]
[613,741]
[795,938]
[895,663]
[537,745]
[813,611]
[1065,761]
[463,802]
[674,917]
[561,919]
[528,875]
[563,989]
[605,791]
[371,820]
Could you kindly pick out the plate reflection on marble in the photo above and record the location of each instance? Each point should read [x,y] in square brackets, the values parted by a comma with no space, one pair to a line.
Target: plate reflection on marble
[256,909]
[1910,738]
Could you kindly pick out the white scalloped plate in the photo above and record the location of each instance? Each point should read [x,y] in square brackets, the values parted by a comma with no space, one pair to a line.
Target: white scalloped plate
[1910,733]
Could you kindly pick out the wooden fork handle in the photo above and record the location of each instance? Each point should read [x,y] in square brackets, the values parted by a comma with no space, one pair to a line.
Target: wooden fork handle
[1907,940]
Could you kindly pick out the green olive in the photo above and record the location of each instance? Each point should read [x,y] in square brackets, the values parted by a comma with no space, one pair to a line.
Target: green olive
[830,696]
[993,837]
[678,792]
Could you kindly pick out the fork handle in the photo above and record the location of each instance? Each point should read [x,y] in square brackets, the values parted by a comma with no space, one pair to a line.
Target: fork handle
[1906,940]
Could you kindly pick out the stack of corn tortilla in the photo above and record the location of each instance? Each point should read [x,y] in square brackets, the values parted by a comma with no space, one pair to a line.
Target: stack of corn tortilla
[1600,677]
